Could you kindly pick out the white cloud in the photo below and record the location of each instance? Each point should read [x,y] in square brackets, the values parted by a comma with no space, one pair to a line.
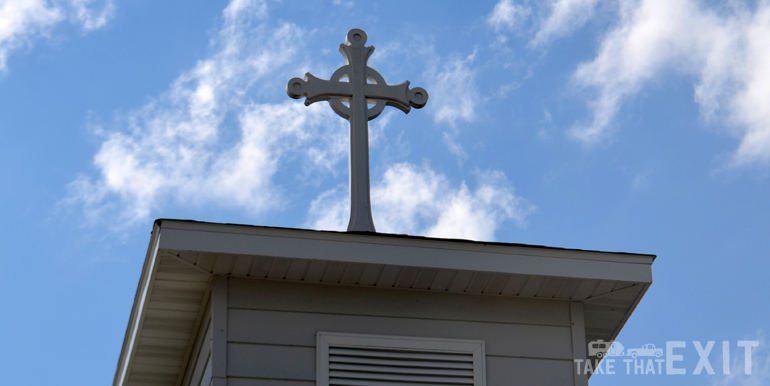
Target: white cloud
[749,106]
[24,21]
[728,51]
[21,22]
[546,123]
[242,175]
[177,148]
[330,210]
[561,18]
[175,158]
[641,180]
[91,18]
[507,15]
[564,17]
[237,8]
[346,3]
[454,147]
[417,200]
[454,97]
[758,362]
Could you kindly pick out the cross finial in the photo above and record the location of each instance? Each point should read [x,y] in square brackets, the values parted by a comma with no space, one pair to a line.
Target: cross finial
[350,99]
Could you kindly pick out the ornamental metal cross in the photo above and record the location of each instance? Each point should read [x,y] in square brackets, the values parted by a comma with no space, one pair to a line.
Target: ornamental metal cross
[351,99]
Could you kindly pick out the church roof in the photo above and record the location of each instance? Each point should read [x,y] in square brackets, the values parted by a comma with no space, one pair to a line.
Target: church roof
[183,257]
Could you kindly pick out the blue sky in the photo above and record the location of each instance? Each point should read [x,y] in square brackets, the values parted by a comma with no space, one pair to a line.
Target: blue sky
[634,126]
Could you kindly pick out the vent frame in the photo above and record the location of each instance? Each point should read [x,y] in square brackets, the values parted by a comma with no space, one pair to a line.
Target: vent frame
[397,351]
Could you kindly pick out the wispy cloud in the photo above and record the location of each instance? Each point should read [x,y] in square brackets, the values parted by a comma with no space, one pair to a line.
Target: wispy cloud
[454,97]
[507,15]
[541,22]
[24,21]
[727,51]
[238,9]
[92,18]
[758,364]
[563,17]
[417,200]
[641,180]
[179,147]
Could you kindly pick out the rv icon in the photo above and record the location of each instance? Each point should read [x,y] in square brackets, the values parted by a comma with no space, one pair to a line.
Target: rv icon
[600,348]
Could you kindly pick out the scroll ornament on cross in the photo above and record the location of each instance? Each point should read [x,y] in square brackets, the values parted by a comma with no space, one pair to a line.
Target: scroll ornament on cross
[350,99]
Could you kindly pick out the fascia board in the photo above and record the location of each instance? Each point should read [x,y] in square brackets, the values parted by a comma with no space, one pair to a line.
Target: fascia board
[137,310]
[406,252]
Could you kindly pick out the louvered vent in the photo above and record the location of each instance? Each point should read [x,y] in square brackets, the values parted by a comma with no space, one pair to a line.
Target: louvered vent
[375,360]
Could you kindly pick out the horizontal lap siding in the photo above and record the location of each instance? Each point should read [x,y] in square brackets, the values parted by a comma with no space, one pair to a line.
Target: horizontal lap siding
[296,365]
[528,372]
[268,361]
[329,299]
[271,329]
[298,329]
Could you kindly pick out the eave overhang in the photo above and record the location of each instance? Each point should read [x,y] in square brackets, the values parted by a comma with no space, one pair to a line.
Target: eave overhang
[184,256]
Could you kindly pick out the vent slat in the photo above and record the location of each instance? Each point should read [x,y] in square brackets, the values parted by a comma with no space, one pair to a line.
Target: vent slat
[402,370]
[400,354]
[436,380]
[365,382]
[400,362]
[377,360]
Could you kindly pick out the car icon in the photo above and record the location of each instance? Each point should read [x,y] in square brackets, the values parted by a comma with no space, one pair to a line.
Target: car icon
[647,350]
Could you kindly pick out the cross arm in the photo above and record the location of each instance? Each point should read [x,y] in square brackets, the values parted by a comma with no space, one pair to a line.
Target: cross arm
[317,89]
[399,96]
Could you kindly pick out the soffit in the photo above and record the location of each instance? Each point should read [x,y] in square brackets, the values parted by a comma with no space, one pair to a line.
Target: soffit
[184,257]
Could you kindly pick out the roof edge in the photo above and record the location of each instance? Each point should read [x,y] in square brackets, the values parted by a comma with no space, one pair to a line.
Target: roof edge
[137,306]
[160,221]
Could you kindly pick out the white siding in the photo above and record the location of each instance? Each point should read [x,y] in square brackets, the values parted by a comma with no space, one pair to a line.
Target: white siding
[271,329]
[199,367]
